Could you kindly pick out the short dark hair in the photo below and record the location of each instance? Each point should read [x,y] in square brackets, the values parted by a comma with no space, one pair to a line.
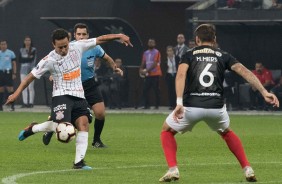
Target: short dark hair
[81,26]
[169,47]
[3,40]
[205,32]
[59,34]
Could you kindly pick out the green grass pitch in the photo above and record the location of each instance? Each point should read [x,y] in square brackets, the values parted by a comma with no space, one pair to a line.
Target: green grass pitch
[134,153]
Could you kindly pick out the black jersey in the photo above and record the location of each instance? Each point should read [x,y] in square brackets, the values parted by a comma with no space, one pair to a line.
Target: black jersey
[205,76]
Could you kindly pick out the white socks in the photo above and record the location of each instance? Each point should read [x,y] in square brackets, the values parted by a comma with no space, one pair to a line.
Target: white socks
[47,126]
[81,145]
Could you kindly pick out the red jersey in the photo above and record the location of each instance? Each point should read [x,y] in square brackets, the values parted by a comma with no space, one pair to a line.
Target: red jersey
[266,75]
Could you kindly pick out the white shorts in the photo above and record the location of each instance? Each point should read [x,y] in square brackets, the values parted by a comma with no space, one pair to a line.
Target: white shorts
[216,119]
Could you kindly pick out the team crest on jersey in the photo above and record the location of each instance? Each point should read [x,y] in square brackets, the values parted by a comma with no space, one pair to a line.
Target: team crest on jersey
[218,54]
[59,115]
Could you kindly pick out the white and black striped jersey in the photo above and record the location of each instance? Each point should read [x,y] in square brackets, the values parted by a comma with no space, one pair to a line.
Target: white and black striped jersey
[65,70]
[205,76]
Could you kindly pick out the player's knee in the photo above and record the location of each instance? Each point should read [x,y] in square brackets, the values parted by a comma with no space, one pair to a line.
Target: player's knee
[82,125]
[100,115]
[166,127]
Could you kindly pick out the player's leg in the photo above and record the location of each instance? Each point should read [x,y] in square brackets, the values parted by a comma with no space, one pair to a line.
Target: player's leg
[218,120]
[235,146]
[81,143]
[46,138]
[35,127]
[81,117]
[95,100]
[169,146]
[99,111]
[170,128]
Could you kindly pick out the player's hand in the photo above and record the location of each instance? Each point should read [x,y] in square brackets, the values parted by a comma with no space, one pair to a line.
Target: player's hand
[118,71]
[272,99]
[178,112]
[125,40]
[11,99]
[51,78]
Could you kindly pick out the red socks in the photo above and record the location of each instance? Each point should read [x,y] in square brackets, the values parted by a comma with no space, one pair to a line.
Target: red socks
[232,140]
[236,147]
[169,147]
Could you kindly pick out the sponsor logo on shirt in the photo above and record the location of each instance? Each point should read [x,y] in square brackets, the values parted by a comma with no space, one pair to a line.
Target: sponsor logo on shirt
[71,75]
[60,107]
[205,51]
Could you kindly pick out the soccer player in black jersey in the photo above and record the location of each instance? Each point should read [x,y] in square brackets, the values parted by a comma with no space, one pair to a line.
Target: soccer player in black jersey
[199,90]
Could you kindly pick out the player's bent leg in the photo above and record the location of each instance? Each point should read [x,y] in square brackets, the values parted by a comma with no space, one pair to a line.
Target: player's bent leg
[99,111]
[169,146]
[82,125]
[26,132]
[47,135]
[235,146]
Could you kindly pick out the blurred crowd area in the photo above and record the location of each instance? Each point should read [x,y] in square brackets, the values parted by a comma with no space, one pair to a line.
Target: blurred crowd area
[249,4]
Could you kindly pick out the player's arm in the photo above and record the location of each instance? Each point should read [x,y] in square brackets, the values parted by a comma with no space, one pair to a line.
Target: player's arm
[254,82]
[180,80]
[179,88]
[113,65]
[123,39]
[110,61]
[29,78]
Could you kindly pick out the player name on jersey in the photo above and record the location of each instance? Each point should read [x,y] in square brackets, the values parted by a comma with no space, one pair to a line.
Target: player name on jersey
[206,58]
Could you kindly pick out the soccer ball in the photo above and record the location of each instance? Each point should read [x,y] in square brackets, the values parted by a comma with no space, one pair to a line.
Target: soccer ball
[65,132]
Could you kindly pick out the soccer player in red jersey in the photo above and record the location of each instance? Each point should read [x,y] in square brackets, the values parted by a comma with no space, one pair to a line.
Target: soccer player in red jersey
[199,90]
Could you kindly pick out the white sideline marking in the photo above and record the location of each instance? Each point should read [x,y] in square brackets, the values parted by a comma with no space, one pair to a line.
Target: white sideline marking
[12,179]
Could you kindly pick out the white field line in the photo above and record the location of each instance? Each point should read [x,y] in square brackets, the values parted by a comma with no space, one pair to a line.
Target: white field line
[12,179]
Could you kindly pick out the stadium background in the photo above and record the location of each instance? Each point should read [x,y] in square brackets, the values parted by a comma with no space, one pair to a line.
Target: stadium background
[248,42]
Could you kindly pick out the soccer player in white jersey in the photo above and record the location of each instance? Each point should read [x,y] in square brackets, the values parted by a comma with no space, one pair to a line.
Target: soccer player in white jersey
[199,90]
[91,89]
[68,101]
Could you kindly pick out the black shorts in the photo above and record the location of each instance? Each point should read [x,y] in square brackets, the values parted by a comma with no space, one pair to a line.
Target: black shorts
[92,92]
[68,108]
[6,78]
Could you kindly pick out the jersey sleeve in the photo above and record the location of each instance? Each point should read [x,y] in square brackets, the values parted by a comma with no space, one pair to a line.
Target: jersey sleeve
[84,45]
[41,68]
[186,58]
[13,56]
[99,51]
[230,61]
